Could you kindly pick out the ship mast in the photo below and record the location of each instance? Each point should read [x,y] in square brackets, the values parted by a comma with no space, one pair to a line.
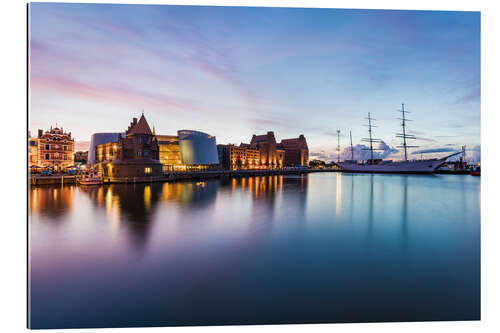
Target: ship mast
[352,150]
[403,135]
[370,139]
[338,146]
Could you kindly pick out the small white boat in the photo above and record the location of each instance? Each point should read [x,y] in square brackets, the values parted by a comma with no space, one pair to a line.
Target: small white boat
[90,178]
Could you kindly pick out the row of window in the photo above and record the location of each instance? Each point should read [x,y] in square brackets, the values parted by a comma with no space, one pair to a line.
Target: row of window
[56,147]
[65,157]
[55,139]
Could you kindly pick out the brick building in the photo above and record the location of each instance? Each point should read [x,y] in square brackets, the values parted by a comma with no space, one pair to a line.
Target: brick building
[32,152]
[135,154]
[81,157]
[296,151]
[271,156]
[244,156]
[264,153]
[55,149]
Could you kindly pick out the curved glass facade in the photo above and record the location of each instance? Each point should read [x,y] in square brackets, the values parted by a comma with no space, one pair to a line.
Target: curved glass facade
[99,139]
[197,147]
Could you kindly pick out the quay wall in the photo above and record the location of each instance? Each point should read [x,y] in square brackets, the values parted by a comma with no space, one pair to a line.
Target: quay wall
[52,180]
[201,175]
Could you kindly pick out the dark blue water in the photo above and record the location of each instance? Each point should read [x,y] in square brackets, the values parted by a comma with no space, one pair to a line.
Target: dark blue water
[325,247]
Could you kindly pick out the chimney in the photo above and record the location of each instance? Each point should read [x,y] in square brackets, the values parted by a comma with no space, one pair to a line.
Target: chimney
[40,133]
[134,120]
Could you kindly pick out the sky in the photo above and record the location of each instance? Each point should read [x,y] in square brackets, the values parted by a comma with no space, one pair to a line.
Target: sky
[237,71]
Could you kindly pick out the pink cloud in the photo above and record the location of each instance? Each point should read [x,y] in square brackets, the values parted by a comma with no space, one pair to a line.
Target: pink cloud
[112,95]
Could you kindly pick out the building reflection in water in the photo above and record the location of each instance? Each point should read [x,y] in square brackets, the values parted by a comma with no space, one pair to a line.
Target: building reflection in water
[133,205]
[53,201]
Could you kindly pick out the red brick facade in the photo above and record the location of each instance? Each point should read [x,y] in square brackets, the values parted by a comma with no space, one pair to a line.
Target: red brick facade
[55,149]
[134,155]
[296,151]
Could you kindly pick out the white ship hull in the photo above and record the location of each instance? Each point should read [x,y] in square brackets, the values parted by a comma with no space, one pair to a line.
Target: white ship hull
[421,166]
[87,182]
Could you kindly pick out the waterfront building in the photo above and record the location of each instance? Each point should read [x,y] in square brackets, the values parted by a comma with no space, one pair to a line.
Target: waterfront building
[187,151]
[296,151]
[198,150]
[81,157]
[134,154]
[264,153]
[271,155]
[99,139]
[244,156]
[170,153]
[55,149]
[32,152]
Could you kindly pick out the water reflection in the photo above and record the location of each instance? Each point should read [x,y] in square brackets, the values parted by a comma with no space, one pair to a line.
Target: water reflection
[404,214]
[232,251]
[53,201]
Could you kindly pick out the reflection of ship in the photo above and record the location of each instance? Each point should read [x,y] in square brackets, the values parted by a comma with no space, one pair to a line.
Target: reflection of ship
[373,165]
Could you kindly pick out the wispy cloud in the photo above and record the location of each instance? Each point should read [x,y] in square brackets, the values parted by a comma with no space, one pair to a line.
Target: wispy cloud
[113,95]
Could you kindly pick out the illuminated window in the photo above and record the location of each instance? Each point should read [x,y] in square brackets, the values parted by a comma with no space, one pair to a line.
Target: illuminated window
[147,171]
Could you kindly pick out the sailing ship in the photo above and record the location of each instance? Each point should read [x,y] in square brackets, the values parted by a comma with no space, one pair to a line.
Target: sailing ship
[374,165]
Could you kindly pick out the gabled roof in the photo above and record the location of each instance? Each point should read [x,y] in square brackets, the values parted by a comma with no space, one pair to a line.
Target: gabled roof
[141,127]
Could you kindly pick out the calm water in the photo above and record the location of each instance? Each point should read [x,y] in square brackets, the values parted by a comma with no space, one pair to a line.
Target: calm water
[325,247]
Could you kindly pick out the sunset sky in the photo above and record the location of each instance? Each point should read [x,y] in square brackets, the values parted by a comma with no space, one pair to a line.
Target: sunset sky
[236,71]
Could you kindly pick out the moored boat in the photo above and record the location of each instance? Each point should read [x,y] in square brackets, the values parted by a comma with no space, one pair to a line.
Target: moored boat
[90,177]
[404,166]
[409,167]
[475,171]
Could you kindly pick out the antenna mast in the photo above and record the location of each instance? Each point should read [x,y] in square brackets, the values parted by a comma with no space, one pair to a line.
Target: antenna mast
[403,135]
[338,146]
[370,139]
[352,150]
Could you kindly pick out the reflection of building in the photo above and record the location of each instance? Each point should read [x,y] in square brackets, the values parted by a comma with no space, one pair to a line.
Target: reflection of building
[99,139]
[296,151]
[135,154]
[55,148]
[54,201]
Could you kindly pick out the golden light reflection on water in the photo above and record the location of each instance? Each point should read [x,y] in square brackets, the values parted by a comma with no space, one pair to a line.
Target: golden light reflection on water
[51,200]
[117,200]
[112,208]
[147,197]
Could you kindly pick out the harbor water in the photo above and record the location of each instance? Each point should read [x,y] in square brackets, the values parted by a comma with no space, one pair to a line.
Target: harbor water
[314,248]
